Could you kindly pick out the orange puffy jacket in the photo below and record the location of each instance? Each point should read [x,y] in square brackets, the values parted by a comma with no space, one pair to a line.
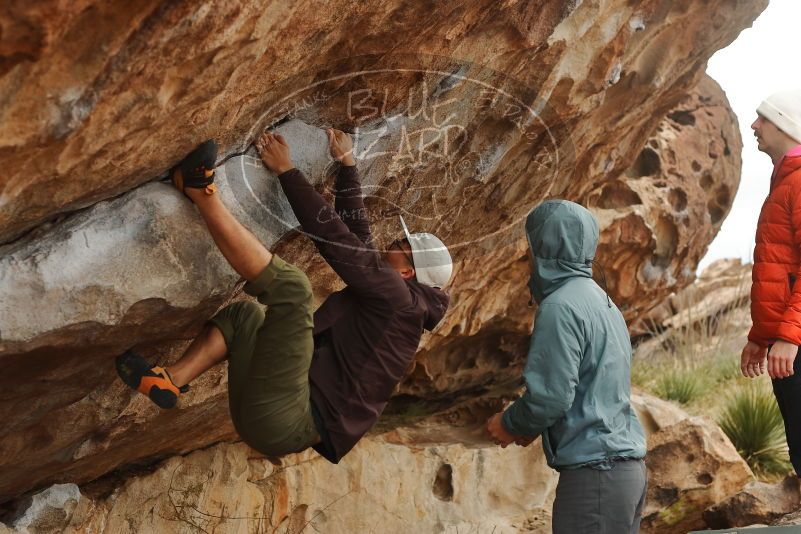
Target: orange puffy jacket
[775,295]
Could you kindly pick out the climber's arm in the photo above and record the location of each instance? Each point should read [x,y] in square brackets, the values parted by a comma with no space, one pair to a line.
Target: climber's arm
[358,265]
[348,198]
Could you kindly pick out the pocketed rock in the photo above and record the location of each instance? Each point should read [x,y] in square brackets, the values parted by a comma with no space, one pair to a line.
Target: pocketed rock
[691,466]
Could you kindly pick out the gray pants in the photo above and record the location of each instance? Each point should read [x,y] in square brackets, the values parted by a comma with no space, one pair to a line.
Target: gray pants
[590,501]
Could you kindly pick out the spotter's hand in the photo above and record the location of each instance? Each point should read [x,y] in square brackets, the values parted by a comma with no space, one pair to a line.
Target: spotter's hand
[274,152]
[780,359]
[752,360]
[497,432]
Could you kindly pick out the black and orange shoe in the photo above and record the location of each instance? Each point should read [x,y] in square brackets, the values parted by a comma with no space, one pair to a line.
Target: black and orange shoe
[196,170]
[148,379]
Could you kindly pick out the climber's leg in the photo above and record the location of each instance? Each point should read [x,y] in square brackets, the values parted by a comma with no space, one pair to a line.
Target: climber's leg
[231,332]
[151,380]
[206,350]
[164,385]
[269,388]
[244,252]
[194,176]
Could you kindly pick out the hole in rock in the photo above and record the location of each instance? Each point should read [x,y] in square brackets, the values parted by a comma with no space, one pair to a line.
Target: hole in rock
[617,195]
[678,199]
[715,213]
[705,479]
[647,163]
[685,118]
[443,483]
[666,236]
[722,197]
[706,181]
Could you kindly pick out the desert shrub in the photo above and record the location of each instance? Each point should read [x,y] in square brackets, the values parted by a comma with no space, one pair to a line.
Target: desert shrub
[752,420]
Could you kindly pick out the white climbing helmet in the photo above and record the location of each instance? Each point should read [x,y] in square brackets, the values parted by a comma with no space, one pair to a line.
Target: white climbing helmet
[432,261]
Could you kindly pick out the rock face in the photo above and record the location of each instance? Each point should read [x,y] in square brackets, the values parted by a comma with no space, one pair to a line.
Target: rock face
[655,414]
[141,257]
[552,99]
[385,486]
[691,466]
[677,193]
[758,502]
[192,71]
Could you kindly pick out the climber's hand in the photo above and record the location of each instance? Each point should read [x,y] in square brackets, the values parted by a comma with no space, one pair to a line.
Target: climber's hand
[341,146]
[274,152]
[497,432]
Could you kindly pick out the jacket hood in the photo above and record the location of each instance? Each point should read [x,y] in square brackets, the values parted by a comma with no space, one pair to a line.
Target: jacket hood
[433,300]
[563,237]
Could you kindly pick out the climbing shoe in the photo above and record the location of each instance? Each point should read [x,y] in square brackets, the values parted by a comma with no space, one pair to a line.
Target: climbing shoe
[196,170]
[148,379]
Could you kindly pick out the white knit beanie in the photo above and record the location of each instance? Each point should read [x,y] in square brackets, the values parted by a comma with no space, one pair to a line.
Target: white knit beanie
[784,110]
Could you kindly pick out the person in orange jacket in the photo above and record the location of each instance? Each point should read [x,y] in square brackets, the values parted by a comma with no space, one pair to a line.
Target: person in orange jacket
[776,291]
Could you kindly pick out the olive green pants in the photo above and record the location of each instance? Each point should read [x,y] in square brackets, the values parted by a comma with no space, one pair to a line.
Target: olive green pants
[269,357]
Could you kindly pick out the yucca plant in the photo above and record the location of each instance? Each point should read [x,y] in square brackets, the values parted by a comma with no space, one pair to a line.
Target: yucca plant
[752,420]
[681,384]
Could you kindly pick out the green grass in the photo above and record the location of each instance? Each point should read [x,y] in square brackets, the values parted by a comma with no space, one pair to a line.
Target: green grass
[686,380]
[752,420]
[681,384]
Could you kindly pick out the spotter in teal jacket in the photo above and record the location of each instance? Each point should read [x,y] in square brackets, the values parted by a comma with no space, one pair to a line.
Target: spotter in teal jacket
[577,374]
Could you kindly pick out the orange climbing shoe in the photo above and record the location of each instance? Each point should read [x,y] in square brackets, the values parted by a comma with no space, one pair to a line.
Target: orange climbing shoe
[148,379]
[196,170]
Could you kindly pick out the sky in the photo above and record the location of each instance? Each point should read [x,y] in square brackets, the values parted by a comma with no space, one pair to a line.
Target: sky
[759,62]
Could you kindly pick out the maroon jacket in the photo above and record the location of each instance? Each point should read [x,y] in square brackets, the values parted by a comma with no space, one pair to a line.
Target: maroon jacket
[367,334]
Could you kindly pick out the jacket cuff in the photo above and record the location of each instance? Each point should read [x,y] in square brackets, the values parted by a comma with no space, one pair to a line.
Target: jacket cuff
[756,339]
[346,173]
[507,421]
[289,172]
[789,333]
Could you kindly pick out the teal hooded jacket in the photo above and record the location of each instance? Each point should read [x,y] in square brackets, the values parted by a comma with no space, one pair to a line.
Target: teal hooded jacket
[577,374]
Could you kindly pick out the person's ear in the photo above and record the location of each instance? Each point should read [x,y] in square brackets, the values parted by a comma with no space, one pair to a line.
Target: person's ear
[407,273]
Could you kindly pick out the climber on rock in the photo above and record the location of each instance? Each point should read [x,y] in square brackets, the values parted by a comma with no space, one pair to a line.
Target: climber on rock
[300,378]
[775,335]
[577,379]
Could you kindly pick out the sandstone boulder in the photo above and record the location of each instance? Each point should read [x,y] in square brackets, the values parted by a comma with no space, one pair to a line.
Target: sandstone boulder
[552,99]
[758,502]
[655,413]
[691,466]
